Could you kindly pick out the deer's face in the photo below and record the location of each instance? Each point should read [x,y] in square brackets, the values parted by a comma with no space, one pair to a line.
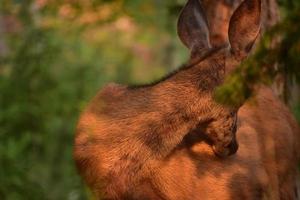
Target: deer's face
[221,130]
[193,30]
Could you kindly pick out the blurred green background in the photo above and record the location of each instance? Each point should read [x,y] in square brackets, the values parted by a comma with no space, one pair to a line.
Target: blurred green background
[54,56]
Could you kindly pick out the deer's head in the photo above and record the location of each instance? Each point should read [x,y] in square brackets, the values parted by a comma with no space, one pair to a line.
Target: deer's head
[243,30]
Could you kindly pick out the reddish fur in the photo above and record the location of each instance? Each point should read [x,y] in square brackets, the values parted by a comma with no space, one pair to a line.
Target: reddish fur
[154,142]
[264,166]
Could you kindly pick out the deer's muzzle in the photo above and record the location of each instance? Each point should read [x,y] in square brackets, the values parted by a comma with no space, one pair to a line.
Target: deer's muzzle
[224,151]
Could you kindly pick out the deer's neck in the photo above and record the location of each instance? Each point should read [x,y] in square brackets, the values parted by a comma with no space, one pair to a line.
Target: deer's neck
[165,112]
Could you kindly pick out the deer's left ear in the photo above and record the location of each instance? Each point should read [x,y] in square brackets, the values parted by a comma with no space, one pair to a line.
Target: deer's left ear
[244,27]
[192,27]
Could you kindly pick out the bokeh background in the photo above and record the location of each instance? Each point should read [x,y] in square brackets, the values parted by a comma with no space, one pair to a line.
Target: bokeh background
[54,56]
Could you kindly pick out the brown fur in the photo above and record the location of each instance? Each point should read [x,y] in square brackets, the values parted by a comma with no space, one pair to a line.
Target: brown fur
[154,141]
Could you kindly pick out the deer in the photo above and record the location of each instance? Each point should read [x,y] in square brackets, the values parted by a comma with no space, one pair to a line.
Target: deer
[170,140]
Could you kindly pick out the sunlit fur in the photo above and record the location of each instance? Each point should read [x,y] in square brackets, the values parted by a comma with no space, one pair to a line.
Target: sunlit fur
[155,141]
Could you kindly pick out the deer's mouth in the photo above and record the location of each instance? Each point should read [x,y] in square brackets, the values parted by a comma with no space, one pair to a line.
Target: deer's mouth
[224,151]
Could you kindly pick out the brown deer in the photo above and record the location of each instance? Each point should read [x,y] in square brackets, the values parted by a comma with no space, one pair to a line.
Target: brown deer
[160,141]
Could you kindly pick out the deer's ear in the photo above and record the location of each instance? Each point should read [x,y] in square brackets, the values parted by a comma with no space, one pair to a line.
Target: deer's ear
[192,27]
[244,27]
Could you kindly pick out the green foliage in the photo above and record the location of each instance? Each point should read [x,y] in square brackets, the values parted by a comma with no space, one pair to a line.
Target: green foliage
[37,119]
[297,112]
